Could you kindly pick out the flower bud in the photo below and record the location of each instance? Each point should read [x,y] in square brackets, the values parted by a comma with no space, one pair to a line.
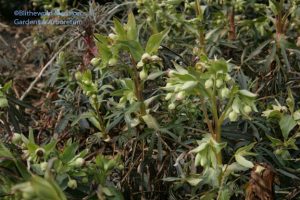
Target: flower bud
[233,116]
[85,180]
[72,184]
[208,83]
[155,58]
[113,36]
[95,61]
[87,82]
[112,61]
[88,93]
[225,93]
[79,162]
[171,106]
[180,95]
[140,64]
[177,88]
[219,83]
[247,109]
[143,75]
[16,138]
[94,97]
[168,96]
[227,77]
[146,57]
[78,75]
[43,166]
[170,73]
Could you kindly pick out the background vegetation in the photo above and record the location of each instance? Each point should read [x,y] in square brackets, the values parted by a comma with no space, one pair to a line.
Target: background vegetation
[156,99]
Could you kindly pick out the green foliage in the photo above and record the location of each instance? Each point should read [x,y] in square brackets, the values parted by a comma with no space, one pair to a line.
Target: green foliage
[177,99]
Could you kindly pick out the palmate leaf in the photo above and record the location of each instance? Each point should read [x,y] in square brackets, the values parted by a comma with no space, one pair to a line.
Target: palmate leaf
[134,47]
[243,161]
[243,151]
[120,31]
[287,123]
[131,27]
[155,41]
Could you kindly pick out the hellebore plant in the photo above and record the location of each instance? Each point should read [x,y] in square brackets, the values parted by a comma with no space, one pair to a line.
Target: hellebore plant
[139,63]
[221,99]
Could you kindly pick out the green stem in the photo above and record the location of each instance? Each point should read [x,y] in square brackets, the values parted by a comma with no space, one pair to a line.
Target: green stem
[217,125]
[199,14]
[138,86]
[222,178]
[100,118]
[229,104]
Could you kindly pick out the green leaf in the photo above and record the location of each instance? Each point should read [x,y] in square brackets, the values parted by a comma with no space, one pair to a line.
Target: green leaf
[95,122]
[290,101]
[4,152]
[208,196]
[284,55]
[45,190]
[274,6]
[243,161]
[7,86]
[155,41]
[155,75]
[101,38]
[233,167]
[193,181]
[275,142]
[247,93]
[246,149]
[287,123]
[150,100]
[171,179]
[218,65]
[3,101]
[199,148]
[120,31]
[285,173]
[271,56]
[151,122]
[210,176]
[69,152]
[50,146]
[225,194]
[257,50]
[131,27]
[105,53]
[31,136]
[189,85]
[134,47]
[82,116]
[296,115]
